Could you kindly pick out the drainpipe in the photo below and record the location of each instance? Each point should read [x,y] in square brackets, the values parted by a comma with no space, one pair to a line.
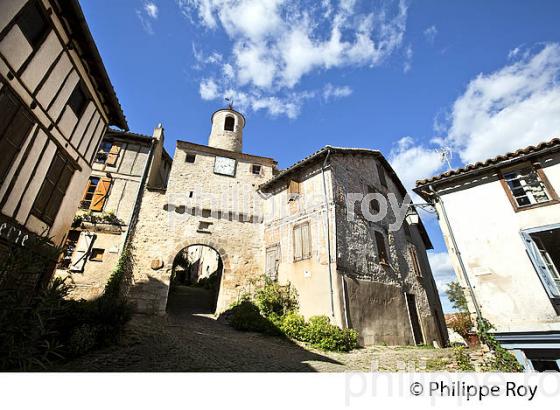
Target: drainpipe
[457,253]
[326,201]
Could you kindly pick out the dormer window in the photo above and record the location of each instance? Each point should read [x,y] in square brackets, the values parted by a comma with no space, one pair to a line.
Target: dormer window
[229,124]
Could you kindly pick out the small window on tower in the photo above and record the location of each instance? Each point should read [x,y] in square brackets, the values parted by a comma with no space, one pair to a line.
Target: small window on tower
[190,158]
[229,124]
[256,169]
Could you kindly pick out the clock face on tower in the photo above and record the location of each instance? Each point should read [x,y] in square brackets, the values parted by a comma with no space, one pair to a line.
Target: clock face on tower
[225,166]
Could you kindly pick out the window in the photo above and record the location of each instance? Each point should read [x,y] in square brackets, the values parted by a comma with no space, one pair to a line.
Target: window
[90,191]
[69,247]
[100,195]
[414,260]
[51,194]
[33,24]
[293,190]
[15,125]
[190,158]
[543,245]
[302,242]
[526,187]
[103,152]
[272,261]
[256,169]
[96,255]
[381,173]
[78,100]
[229,124]
[382,254]
[113,155]
[374,202]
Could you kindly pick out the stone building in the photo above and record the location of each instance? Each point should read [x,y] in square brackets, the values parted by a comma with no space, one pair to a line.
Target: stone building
[500,219]
[123,165]
[56,101]
[292,225]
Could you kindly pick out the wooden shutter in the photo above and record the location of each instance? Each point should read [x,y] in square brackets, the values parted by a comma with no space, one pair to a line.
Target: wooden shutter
[305,241]
[15,125]
[100,195]
[113,155]
[297,243]
[272,262]
[414,259]
[293,187]
[80,255]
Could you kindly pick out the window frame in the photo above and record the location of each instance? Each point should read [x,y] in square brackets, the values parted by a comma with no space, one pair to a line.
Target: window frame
[188,156]
[34,43]
[227,121]
[256,166]
[553,197]
[79,111]
[87,192]
[304,256]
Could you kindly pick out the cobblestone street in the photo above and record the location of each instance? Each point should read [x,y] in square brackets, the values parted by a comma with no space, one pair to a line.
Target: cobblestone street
[188,341]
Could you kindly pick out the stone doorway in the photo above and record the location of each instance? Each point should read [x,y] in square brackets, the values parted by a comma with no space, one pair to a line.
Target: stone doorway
[195,280]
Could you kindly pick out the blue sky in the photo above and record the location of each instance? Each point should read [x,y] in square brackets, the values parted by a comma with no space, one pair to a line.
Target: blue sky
[403,77]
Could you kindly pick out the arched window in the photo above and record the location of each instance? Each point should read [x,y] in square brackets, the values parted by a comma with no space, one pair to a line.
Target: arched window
[230,122]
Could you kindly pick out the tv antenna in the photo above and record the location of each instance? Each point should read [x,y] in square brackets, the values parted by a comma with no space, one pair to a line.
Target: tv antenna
[445,155]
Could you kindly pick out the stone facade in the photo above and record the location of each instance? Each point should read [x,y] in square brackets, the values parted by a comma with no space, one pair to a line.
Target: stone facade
[291,225]
[125,161]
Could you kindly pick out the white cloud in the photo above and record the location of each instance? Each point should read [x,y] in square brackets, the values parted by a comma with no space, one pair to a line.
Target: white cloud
[151,9]
[499,112]
[443,273]
[147,15]
[516,106]
[430,34]
[330,91]
[413,161]
[407,65]
[276,43]
[208,89]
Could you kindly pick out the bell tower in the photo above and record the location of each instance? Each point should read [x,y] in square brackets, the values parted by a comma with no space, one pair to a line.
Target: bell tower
[227,130]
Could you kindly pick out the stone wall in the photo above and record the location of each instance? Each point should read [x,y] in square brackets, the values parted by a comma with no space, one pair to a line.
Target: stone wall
[357,258]
[200,208]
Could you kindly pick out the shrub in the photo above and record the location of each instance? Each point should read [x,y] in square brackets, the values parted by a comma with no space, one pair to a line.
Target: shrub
[50,327]
[501,360]
[294,326]
[462,324]
[246,316]
[275,299]
[274,311]
[321,333]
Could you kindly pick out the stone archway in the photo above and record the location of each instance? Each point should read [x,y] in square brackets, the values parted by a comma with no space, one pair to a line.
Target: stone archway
[225,271]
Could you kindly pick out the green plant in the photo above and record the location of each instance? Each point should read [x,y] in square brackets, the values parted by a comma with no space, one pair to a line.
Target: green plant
[246,316]
[322,334]
[294,326]
[456,296]
[501,360]
[463,359]
[275,299]
[49,327]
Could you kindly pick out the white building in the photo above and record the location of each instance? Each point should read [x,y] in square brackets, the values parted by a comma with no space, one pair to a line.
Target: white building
[501,223]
